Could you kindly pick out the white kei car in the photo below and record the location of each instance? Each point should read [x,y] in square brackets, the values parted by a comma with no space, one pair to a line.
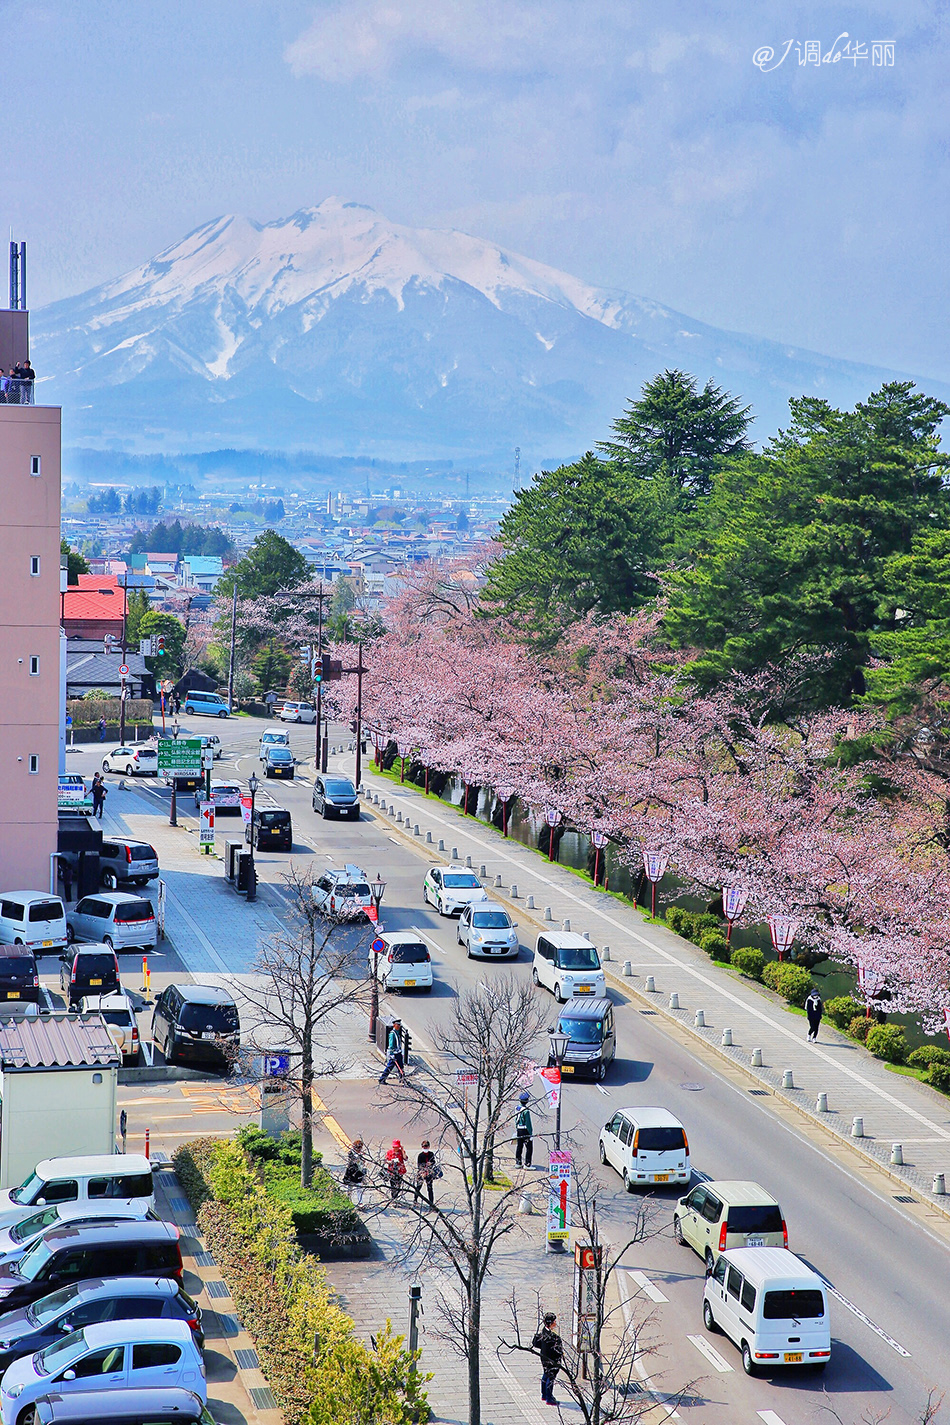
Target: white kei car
[451,888]
[487,930]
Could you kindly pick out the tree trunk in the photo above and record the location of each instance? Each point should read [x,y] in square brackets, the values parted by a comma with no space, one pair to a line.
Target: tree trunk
[306,1124]
[472,1349]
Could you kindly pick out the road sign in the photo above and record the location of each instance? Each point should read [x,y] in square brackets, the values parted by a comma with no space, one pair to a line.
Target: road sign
[378,946]
[71,794]
[206,824]
[276,1066]
[559,1196]
[372,914]
[124,670]
[466,1078]
[181,755]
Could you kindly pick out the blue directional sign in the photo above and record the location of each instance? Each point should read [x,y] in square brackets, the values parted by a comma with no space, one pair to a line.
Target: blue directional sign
[276,1066]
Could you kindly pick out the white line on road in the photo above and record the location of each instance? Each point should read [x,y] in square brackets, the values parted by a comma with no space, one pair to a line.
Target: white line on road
[647,1287]
[711,1354]
[856,1311]
[671,1412]
[600,1089]
[770,1417]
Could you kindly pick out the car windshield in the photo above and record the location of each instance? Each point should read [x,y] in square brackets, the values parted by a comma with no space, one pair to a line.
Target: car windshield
[660,1140]
[28,1189]
[122,1017]
[221,1018]
[792,1305]
[340,789]
[144,853]
[61,1354]
[491,920]
[280,754]
[34,1224]
[349,889]
[463,881]
[95,966]
[583,1031]
[274,818]
[45,910]
[580,957]
[409,954]
[766,1218]
[16,965]
[49,1307]
[33,1261]
[129,912]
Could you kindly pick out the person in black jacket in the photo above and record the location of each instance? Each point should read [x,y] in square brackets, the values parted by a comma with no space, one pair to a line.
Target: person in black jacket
[551,1348]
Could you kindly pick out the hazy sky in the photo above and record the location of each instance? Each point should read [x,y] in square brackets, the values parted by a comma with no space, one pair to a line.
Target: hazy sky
[636,145]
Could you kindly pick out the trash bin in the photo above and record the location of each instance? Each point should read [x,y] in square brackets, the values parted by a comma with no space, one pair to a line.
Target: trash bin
[242,878]
[232,850]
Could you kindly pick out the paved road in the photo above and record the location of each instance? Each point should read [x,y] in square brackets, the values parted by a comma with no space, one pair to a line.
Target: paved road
[890,1317]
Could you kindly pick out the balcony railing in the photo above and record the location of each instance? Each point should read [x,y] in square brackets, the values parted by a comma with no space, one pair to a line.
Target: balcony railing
[14,392]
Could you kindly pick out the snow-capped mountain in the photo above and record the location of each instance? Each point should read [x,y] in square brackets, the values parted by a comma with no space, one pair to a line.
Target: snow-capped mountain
[338,330]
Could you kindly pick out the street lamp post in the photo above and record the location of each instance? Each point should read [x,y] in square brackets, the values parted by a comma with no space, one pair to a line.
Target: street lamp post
[559,1042]
[252,786]
[376,890]
[173,819]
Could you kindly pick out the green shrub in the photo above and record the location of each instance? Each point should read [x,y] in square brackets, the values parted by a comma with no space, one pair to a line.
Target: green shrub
[887,1041]
[748,961]
[859,1027]
[928,1054]
[714,945]
[674,918]
[692,924]
[192,1162]
[842,1010]
[790,981]
[939,1075]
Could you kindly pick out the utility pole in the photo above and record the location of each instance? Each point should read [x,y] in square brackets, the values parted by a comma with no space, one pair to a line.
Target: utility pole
[125,617]
[359,713]
[231,659]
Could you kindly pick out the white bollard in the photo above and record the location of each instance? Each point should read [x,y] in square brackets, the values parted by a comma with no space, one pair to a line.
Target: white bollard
[700,1019]
[514,891]
[565,925]
[857,1128]
[483,872]
[650,985]
[940,1185]
[468,862]
[547,913]
[526,1205]
[497,880]
[756,1060]
[605,952]
[441,845]
[674,1000]
[455,853]
[726,1040]
[821,1103]
[428,838]
[627,969]
[529,903]
[788,1079]
[897,1155]
[415,830]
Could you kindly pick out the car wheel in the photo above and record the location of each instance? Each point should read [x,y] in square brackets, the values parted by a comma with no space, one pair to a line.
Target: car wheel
[534,976]
[129,770]
[819,1366]
[440,906]
[558,996]
[29,1416]
[222,713]
[107,940]
[427,989]
[70,935]
[325,814]
[600,1072]
[170,1048]
[710,1260]
[603,1155]
[748,1364]
[189,709]
[110,880]
[678,1237]
[709,1321]
[105,764]
[626,1181]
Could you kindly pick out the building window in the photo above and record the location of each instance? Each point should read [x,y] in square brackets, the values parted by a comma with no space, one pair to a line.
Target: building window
[35,465]
[34,666]
[35,566]
[34,763]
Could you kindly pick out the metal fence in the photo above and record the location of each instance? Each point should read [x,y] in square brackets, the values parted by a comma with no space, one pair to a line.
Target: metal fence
[14,392]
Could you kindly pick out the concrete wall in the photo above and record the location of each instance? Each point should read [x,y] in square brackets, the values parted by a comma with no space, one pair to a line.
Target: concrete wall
[54,1114]
[29,627]
[14,338]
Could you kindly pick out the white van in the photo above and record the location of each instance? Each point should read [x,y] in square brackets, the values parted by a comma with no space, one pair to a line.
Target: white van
[646,1146]
[122,1178]
[272,737]
[771,1305]
[568,965]
[33,918]
[405,964]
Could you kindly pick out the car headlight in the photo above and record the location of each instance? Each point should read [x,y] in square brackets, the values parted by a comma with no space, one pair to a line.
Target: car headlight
[14,1391]
[476,935]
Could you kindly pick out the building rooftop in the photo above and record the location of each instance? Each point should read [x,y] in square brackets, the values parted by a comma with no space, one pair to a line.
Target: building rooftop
[56,1041]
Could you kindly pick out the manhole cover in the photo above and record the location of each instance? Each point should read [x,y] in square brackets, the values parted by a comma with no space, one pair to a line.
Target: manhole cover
[692,1088]
[764,1093]
[648,1011]
[902,1197]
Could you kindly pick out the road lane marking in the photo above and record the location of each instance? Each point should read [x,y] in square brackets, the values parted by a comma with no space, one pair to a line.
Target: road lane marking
[871,1325]
[770,1417]
[711,1354]
[647,1287]
[671,1412]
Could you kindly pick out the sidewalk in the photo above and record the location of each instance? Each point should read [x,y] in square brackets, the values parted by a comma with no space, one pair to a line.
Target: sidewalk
[895,1110]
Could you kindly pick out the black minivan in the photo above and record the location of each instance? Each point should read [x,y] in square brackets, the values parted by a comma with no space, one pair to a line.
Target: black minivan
[592,1037]
[197,1024]
[19,979]
[272,829]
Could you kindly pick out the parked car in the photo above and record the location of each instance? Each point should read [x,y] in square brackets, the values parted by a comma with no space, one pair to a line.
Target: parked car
[16,1239]
[568,965]
[19,979]
[592,1037]
[32,918]
[773,1307]
[335,796]
[343,894]
[208,704]
[152,1405]
[90,1302]
[272,737]
[270,828]
[127,863]
[225,796]
[196,1024]
[405,964]
[212,740]
[107,1356]
[279,762]
[89,969]
[116,918]
[109,1248]
[132,761]
[646,1146]
[119,1015]
[451,888]
[487,930]
[122,1178]
[298,712]
[717,1216]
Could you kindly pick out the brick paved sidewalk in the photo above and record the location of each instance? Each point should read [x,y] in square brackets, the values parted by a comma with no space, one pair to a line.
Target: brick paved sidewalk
[894,1109]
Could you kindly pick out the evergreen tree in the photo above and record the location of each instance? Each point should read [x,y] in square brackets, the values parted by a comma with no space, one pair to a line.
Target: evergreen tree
[269,565]
[72,561]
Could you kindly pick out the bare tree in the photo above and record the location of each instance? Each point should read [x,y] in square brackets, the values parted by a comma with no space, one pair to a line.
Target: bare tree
[599,1369]
[304,976]
[491,1036]
[928,1411]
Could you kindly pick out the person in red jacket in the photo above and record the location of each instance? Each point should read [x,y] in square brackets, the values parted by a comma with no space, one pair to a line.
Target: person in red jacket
[395,1167]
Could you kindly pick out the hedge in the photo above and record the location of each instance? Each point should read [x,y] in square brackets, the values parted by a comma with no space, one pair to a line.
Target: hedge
[939,1075]
[860,1027]
[87,712]
[715,945]
[790,981]
[692,924]
[927,1055]
[748,961]
[887,1041]
[843,1010]
[285,1304]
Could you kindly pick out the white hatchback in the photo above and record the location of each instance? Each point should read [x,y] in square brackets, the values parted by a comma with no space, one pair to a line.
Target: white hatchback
[133,761]
[298,712]
[488,930]
[451,888]
[405,963]
[646,1146]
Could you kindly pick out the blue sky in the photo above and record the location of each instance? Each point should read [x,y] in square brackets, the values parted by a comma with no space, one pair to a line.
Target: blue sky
[636,145]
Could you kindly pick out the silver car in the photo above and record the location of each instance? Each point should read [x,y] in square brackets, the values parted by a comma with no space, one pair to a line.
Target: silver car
[486,929]
[115,918]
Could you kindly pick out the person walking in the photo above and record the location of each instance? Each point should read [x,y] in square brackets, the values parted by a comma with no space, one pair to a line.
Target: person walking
[551,1348]
[394,1051]
[524,1132]
[395,1167]
[102,729]
[814,1008]
[426,1168]
[98,795]
[355,1174]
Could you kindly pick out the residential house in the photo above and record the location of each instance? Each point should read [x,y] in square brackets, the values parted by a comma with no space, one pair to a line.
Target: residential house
[201,571]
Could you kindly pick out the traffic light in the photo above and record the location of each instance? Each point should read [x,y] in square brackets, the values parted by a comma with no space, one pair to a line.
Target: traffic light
[305,653]
[325,670]
[161,644]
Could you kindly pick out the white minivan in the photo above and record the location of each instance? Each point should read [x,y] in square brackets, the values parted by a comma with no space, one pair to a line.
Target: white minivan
[568,965]
[646,1146]
[404,964]
[33,918]
[773,1307]
[122,1178]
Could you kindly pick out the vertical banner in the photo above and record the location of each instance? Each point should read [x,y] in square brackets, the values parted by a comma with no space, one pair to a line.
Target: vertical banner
[587,1262]
[206,824]
[559,1195]
[552,1081]
[245,807]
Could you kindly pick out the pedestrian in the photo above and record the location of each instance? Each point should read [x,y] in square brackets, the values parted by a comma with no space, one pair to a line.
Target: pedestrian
[98,795]
[123,1127]
[524,1132]
[176,700]
[551,1348]
[355,1175]
[426,1171]
[394,1050]
[395,1167]
[814,1008]
[102,729]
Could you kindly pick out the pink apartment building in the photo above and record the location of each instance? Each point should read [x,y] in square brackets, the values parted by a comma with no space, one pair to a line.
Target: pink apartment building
[30,448]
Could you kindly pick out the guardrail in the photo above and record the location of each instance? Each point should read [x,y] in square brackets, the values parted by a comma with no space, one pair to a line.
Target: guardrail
[15,392]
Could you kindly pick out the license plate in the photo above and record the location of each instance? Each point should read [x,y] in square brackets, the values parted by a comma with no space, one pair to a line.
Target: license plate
[208,1034]
[95,982]
[567,1068]
[47,944]
[584,990]
[409,982]
[661,1177]
[13,994]
[755,1241]
[792,1356]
